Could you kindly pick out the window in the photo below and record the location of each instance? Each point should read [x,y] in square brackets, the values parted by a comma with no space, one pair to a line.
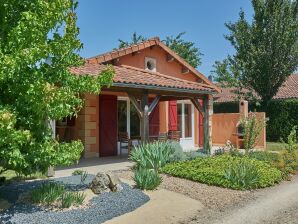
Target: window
[128,119]
[134,121]
[150,64]
[122,116]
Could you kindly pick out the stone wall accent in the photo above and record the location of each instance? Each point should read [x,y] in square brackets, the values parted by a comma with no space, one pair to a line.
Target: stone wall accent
[87,125]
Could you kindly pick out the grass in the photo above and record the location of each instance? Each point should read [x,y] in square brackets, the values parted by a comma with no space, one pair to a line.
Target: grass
[11,175]
[275,146]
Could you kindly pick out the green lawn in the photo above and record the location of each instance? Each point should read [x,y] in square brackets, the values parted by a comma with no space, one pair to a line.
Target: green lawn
[275,146]
[12,176]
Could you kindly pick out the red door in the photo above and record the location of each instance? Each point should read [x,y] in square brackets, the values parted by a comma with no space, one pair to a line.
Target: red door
[173,125]
[154,121]
[107,125]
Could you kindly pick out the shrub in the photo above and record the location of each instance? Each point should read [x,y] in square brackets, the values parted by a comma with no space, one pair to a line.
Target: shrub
[252,128]
[77,172]
[152,155]
[243,175]
[72,198]
[147,179]
[211,170]
[191,155]
[48,193]
[177,153]
[54,194]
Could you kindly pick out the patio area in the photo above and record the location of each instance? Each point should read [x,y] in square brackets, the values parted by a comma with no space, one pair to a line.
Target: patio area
[95,165]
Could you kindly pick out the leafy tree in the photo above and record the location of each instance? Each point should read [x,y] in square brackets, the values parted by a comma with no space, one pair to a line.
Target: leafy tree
[33,91]
[266,49]
[185,49]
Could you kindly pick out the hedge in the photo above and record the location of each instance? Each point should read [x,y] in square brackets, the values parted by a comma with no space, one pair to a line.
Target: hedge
[282,114]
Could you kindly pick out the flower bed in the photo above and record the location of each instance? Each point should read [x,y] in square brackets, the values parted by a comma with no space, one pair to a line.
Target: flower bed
[226,171]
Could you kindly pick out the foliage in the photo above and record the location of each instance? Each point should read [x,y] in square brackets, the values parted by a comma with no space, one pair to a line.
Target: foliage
[283,160]
[242,174]
[185,49]
[77,172]
[177,153]
[135,39]
[147,179]
[211,171]
[152,155]
[72,198]
[38,45]
[292,143]
[84,176]
[48,193]
[252,128]
[266,49]
[55,194]
[191,155]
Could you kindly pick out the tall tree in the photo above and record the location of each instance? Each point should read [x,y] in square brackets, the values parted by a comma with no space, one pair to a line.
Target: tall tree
[185,49]
[266,49]
[38,44]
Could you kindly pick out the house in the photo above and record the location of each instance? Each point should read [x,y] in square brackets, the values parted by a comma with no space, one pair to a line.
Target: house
[281,111]
[289,90]
[153,91]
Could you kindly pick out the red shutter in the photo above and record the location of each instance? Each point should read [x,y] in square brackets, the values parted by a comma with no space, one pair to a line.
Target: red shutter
[173,115]
[201,135]
[154,121]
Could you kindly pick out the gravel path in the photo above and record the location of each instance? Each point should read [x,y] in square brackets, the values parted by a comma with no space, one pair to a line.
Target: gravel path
[102,208]
[274,205]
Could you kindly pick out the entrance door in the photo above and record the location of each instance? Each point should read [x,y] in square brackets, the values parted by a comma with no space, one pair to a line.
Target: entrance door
[185,112]
[107,125]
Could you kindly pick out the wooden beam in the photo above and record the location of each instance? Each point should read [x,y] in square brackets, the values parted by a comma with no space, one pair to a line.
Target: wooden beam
[197,105]
[136,105]
[145,119]
[153,104]
[170,58]
[206,125]
[184,70]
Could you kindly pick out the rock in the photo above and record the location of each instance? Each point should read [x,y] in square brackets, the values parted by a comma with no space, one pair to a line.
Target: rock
[114,182]
[105,182]
[100,183]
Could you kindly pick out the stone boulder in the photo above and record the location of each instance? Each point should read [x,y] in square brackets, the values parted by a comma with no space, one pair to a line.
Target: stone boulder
[105,182]
[114,182]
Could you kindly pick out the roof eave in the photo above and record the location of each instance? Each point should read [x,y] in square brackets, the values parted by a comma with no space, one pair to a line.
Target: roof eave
[162,88]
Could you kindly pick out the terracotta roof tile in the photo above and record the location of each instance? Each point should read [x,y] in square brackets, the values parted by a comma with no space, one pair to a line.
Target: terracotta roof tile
[131,75]
[289,90]
[145,44]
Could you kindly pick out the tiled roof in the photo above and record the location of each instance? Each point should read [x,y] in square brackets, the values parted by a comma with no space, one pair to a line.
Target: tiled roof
[109,56]
[131,75]
[289,90]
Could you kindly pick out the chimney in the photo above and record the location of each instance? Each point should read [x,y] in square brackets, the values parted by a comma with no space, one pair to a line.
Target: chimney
[243,108]
[210,78]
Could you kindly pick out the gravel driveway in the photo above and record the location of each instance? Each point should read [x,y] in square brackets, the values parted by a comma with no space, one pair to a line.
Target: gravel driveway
[275,205]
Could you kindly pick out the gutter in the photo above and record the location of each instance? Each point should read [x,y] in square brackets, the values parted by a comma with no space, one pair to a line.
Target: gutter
[153,87]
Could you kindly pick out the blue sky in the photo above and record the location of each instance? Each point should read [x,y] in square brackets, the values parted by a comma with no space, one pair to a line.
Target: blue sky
[103,22]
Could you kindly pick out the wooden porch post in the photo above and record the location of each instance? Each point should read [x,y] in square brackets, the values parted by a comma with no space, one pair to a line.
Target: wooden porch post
[207,123]
[144,110]
[145,119]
